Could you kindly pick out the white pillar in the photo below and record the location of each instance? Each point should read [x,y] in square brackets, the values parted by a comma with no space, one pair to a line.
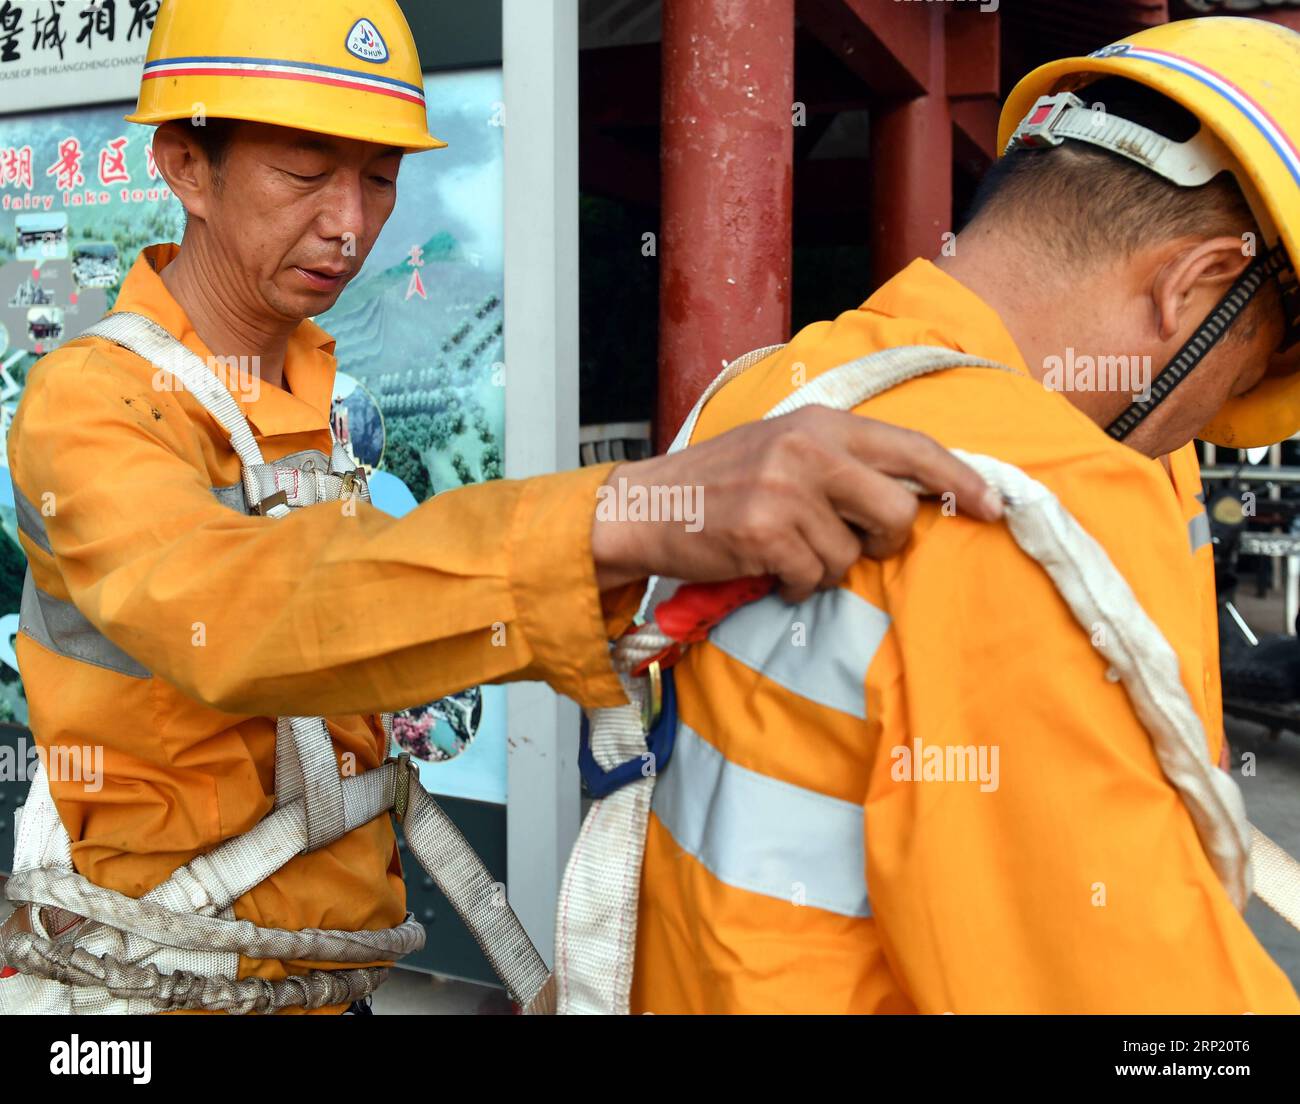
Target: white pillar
[540,58]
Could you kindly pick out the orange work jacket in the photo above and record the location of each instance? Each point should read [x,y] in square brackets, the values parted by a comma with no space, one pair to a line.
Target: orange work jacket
[217,622]
[804,857]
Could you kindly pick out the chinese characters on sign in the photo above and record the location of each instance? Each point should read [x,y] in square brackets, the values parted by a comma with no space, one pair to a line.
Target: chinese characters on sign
[98,19]
[112,163]
[98,23]
[56,52]
[67,170]
[10,20]
[416,262]
[16,167]
[48,32]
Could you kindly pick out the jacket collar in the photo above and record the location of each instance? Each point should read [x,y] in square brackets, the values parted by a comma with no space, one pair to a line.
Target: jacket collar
[309,366]
[960,319]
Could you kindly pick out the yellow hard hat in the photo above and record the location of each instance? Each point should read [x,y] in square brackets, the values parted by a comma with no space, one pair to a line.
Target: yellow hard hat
[1241,79]
[347,68]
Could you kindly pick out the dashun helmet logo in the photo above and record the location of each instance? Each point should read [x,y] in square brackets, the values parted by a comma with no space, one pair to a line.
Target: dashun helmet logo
[1116,50]
[365,42]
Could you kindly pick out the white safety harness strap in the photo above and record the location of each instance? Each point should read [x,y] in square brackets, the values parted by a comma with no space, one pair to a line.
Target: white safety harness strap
[597,915]
[80,947]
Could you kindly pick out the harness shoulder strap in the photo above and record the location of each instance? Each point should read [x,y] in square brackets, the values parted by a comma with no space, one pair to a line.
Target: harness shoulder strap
[269,488]
[730,372]
[148,340]
[840,388]
[854,383]
[151,342]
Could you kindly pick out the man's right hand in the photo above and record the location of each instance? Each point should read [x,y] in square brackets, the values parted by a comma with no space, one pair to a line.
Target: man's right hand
[801,497]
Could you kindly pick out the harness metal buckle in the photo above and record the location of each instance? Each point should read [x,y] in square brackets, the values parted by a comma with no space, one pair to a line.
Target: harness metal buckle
[655,699]
[659,740]
[402,786]
[1036,129]
[280,498]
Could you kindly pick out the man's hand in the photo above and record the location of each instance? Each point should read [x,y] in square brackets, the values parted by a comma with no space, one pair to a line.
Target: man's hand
[801,497]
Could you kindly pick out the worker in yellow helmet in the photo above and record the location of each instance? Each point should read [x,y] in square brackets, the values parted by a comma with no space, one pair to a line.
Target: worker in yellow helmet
[945,785]
[212,601]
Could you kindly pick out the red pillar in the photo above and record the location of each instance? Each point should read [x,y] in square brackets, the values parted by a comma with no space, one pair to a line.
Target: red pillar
[728,165]
[911,167]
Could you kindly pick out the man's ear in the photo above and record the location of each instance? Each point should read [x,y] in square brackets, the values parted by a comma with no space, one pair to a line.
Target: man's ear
[1194,280]
[184,167]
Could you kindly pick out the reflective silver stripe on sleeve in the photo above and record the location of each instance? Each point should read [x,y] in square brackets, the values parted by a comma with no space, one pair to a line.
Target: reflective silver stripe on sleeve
[1198,531]
[819,649]
[60,627]
[30,521]
[760,834]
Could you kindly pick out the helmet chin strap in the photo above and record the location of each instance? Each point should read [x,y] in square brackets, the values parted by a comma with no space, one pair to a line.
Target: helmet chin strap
[1271,265]
[1190,164]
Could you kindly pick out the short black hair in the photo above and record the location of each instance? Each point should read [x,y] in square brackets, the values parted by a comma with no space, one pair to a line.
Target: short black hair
[1082,201]
[213,137]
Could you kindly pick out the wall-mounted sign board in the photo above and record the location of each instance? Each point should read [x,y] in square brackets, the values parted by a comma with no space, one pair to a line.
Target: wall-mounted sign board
[54,53]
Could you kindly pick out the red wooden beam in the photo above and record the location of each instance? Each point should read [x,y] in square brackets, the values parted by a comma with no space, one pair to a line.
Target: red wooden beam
[972,67]
[973,56]
[911,154]
[877,39]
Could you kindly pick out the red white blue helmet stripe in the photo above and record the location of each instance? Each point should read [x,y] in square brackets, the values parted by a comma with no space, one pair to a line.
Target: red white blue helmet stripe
[1260,119]
[284,70]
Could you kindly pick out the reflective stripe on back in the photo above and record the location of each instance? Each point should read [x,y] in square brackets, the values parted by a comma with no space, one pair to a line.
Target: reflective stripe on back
[819,649]
[760,834]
